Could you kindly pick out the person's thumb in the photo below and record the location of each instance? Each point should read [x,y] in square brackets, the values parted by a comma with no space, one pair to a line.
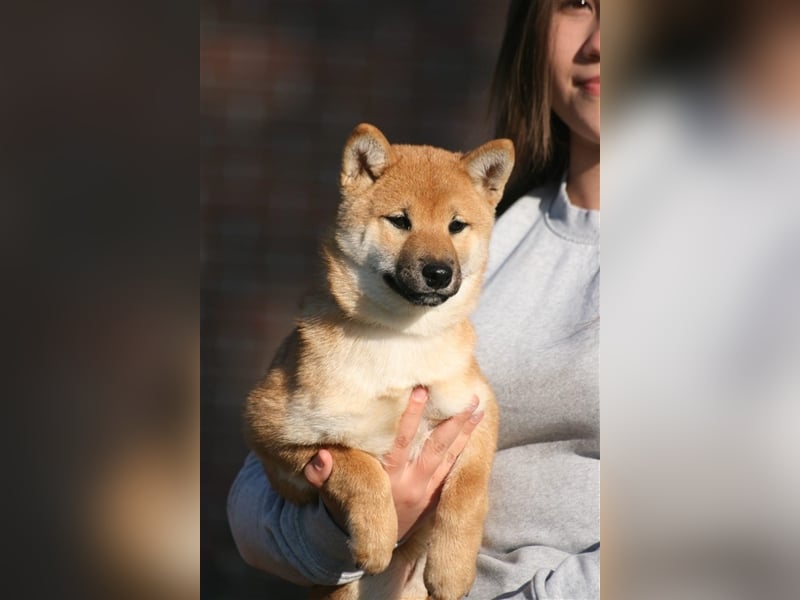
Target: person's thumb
[319,468]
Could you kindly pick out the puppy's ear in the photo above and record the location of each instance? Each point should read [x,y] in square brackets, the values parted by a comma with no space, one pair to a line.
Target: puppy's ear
[366,156]
[490,166]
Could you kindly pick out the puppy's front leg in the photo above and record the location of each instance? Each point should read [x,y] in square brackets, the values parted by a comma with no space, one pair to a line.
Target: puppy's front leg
[360,486]
[460,515]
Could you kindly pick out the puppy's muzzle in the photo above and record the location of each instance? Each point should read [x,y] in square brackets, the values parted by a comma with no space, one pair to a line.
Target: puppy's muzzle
[426,284]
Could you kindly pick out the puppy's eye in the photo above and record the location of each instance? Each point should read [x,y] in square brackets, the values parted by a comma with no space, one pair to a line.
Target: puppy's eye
[456,226]
[400,221]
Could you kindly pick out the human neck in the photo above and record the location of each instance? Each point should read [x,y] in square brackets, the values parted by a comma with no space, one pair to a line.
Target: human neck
[583,175]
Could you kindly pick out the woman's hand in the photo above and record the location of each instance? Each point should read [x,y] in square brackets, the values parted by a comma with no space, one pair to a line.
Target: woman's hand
[415,483]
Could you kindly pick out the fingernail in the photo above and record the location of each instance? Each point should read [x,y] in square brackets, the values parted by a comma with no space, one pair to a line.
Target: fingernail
[474,403]
[476,418]
[419,394]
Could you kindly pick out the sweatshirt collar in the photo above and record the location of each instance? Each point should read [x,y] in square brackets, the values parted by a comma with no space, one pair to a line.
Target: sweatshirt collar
[571,222]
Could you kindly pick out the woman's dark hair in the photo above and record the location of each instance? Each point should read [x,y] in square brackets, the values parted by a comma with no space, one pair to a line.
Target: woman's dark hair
[520,98]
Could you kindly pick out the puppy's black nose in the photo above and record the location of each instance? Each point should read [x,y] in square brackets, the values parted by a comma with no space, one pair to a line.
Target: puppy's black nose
[437,275]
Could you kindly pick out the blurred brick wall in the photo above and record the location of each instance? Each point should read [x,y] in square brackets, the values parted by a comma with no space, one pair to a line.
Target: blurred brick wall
[282,85]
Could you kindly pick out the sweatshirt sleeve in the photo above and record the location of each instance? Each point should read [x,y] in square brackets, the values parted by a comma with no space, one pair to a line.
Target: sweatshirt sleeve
[301,544]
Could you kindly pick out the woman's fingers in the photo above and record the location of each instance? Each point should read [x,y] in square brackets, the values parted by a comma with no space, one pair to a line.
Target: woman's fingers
[406,430]
[319,468]
[455,449]
[413,489]
[439,447]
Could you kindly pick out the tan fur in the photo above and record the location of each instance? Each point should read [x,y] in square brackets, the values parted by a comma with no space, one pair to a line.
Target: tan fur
[342,380]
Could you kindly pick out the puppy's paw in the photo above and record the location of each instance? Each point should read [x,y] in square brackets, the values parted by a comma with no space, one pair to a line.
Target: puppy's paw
[374,535]
[448,582]
[372,553]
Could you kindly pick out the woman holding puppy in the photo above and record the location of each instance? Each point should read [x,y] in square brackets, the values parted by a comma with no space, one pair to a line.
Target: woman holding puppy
[537,326]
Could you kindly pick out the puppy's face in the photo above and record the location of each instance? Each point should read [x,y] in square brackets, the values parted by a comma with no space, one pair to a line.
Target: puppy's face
[414,224]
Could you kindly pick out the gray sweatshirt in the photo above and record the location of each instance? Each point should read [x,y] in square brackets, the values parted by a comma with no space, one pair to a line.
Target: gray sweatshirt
[538,335]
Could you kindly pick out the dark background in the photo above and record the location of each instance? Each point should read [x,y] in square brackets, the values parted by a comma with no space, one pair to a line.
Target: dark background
[282,85]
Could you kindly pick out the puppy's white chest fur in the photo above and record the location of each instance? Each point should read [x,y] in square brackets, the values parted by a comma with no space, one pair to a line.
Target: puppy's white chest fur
[361,383]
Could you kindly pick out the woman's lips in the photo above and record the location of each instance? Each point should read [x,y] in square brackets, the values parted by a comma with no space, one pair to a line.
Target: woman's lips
[591,86]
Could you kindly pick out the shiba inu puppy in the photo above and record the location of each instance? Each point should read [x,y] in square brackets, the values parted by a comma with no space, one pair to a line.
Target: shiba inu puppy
[405,264]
